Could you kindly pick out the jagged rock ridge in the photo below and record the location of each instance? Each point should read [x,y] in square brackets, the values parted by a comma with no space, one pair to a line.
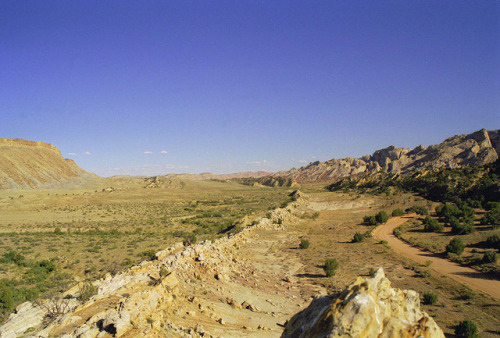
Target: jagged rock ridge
[270,181]
[478,148]
[369,307]
[29,164]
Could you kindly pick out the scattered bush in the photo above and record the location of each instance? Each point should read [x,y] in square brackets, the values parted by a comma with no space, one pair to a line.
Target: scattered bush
[149,254]
[492,217]
[419,210]
[370,220]
[397,212]
[189,239]
[379,218]
[463,229]
[372,272]
[489,257]
[382,217]
[358,237]
[466,329]
[331,264]
[493,241]
[432,225]
[87,290]
[397,232]
[304,244]
[429,298]
[456,246]
[6,298]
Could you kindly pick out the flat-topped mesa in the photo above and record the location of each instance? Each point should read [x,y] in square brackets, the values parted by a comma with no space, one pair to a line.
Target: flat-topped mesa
[18,142]
[29,164]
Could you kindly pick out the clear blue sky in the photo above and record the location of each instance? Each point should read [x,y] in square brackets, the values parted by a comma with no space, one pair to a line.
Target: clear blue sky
[152,87]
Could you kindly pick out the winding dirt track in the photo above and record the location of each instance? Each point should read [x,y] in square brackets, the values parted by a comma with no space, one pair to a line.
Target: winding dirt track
[471,277]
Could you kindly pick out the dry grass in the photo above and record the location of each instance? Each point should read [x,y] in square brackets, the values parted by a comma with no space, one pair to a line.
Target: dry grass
[88,232]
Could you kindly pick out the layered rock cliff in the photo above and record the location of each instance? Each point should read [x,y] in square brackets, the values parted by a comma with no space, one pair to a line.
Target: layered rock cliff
[480,147]
[28,164]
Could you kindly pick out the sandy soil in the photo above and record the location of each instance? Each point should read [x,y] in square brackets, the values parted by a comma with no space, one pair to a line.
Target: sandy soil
[471,277]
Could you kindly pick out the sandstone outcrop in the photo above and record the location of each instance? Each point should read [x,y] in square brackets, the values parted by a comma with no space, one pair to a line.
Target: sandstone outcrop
[144,300]
[270,181]
[480,147]
[28,164]
[367,308]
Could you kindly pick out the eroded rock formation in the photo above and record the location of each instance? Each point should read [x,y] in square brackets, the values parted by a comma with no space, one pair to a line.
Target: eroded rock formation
[480,147]
[28,164]
[369,307]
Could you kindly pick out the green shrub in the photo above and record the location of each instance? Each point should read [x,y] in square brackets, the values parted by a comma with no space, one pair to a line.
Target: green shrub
[432,225]
[189,239]
[372,272]
[397,232]
[382,217]
[466,329]
[455,246]
[370,220]
[331,264]
[463,229]
[419,210]
[358,237]
[397,212]
[448,210]
[489,257]
[493,241]
[304,244]
[13,257]
[6,298]
[492,217]
[150,254]
[429,298]
[87,290]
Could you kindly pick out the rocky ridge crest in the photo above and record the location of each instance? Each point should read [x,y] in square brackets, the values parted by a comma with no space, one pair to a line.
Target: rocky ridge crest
[478,148]
[140,301]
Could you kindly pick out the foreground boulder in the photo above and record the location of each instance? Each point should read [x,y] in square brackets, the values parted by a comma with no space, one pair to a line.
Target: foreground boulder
[367,308]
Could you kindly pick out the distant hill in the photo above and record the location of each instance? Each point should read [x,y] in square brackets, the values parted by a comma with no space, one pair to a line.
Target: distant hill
[479,148]
[223,177]
[29,164]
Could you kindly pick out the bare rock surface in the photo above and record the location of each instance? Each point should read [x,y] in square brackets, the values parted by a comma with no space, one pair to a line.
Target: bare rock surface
[369,307]
[480,147]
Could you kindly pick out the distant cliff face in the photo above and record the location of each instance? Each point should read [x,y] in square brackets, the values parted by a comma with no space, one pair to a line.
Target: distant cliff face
[478,148]
[28,164]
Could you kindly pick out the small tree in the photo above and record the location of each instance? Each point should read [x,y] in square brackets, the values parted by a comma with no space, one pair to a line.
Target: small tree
[397,212]
[466,329]
[432,225]
[382,217]
[492,217]
[455,246]
[370,220]
[429,298]
[6,298]
[358,237]
[331,264]
[304,244]
[489,257]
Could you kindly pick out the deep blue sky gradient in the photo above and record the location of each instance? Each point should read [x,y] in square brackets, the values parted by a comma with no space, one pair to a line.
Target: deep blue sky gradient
[228,86]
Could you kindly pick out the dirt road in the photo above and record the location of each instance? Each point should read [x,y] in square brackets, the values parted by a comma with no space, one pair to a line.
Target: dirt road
[468,276]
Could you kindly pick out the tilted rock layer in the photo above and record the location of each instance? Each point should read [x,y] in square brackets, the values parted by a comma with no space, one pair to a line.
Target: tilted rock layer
[367,308]
[480,147]
[28,164]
